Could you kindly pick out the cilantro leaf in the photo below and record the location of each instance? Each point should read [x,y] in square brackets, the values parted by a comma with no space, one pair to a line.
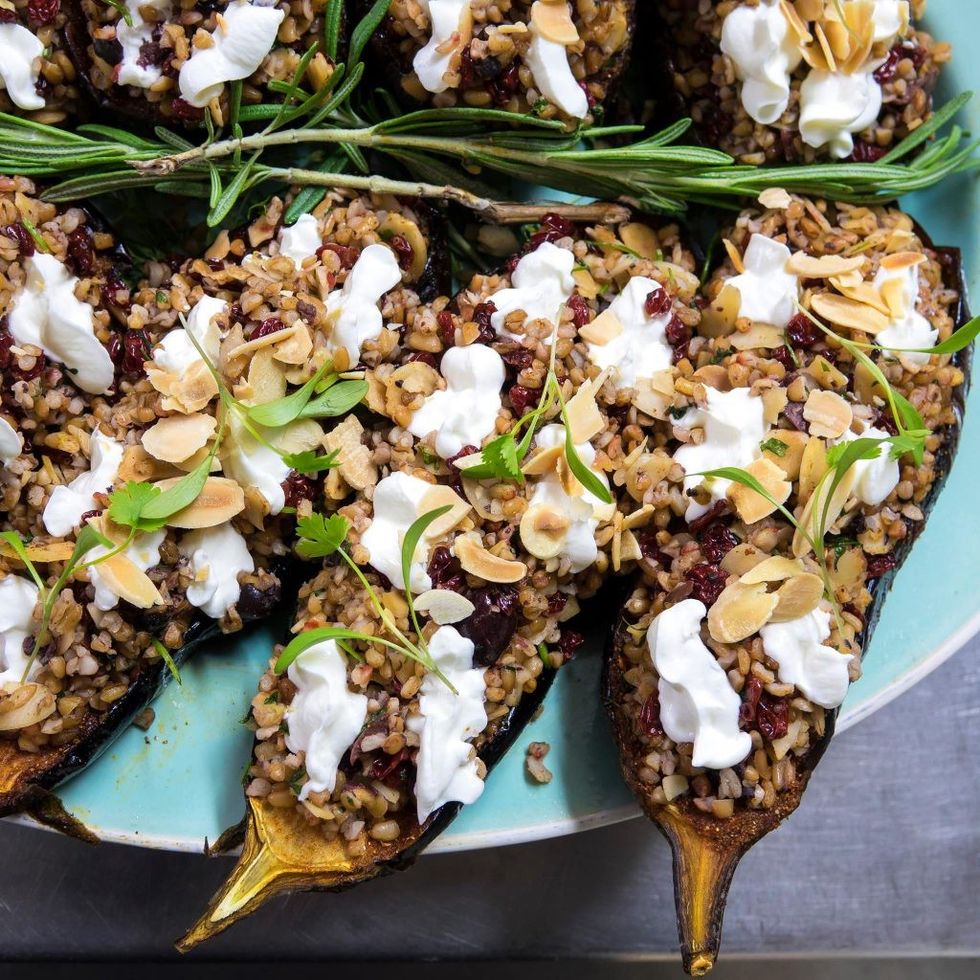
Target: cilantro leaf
[775,446]
[501,461]
[126,504]
[320,536]
[309,462]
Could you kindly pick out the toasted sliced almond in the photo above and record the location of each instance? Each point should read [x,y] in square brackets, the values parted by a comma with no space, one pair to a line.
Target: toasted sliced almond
[761,335]
[752,506]
[774,569]
[742,558]
[893,293]
[844,312]
[442,496]
[714,376]
[23,705]
[543,531]
[584,418]
[416,377]
[299,436]
[823,266]
[444,607]
[740,611]
[789,462]
[774,400]
[266,378]
[356,463]
[825,374]
[543,461]
[828,414]
[861,292]
[813,465]
[553,21]
[476,560]
[125,579]
[219,501]
[40,553]
[902,260]
[867,388]
[641,238]
[719,316]
[604,328]
[649,400]
[776,198]
[175,438]
[296,348]
[734,255]
[585,284]
[798,596]
[139,466]
[193,391]
[405,228]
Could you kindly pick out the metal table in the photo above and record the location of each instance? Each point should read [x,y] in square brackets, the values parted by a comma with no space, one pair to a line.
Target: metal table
[883,856]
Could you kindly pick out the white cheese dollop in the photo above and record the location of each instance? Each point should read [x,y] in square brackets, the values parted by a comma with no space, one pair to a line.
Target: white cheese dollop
[251,464]
[874,479]
[20,53]
[553,75]
[47,314]
[432,62]
[767,292]
[890,19]
[144,553]
[132,39]
[176,353]
[542,284]
[396,508]
[11,442]
[834,106]
[697,703]
[819,671]
[911,329]
[734,427]
[466,412]
[765,53]
[325,716]
[18,596]
[300,240]
[63,511]
[240,46]
[354,308]
[583,512]
[446,724]
[640,351]
[216,556]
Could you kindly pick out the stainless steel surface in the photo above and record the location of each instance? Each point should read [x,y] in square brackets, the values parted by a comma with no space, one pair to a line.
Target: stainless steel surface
[883,856]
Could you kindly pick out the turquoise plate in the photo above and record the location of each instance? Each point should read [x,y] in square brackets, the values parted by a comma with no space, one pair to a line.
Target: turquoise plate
[178,783]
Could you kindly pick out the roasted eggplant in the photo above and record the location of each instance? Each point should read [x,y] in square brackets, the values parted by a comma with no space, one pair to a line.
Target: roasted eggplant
[712,815]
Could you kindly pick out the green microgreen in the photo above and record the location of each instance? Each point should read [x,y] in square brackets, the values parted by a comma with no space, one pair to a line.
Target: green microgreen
[773,445]
[168,659]
[123,10]
[39,242]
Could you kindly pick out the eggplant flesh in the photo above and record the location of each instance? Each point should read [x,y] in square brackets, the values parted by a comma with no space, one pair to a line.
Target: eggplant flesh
[282,852]
[706,851]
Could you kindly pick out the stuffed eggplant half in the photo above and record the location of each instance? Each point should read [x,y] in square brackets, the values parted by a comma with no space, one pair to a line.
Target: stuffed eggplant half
[551,57]
[173,60]
[775,80]
[420,649]
[810,429]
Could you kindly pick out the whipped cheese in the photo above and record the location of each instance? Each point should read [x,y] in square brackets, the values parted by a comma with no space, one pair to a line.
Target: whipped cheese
[834,106]
[397,499]
[910,328]
[215,556]
[300,240]
[446,724]
[697,703]
[240,46]
[46,313]
[325,716]
[176,353]
[819,671]
[466,412]
[432,62]
[765,53]
[251,464]
[18,596]
[130,71]
[874,479]
[890,18]
[353,310]
[11,442]
[63,511]
[641,350]
[20,66]
[144,553]
[584,512]
[734,427]
[542,284]
[553,75]
[767,292]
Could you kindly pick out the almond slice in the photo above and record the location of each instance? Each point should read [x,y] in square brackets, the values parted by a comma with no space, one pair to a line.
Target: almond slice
[444,607]
[774,400]
[860,292]
[798,26]
[23,705]
[641,239]
[584,418]
[123,578]
[777,198]
[761,335]
[299,436]
[774,569]
[825,374]
[902,260]
[177,437]
[719,316]
[218,502]
[823,266]
[543,461]
[798,597]
[741,559]
[139,466]
[734,255]
[269,340]
[604,328]
[266,379]
[476,560]
[813,465]
[39,553]
[356,463]
[553,21]
[846,312]
[752,506]
[740,611]
[296,348]
[795,442]
[828,414]
[408,230]
[442,496]
[543,531]
[893,293]
[585,284]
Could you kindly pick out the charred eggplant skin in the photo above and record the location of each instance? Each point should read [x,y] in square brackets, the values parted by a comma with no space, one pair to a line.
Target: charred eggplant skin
[707,851]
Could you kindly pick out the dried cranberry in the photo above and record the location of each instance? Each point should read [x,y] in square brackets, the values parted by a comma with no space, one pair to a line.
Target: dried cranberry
[512,262]
[557,602]
[801,331]
[650,550]
[751,693]
[9,363]
[151,55]
[884,420]
[879,565]
[518,358]
[491,624]
[7,16]
[6,342]
[81,254]
[794,413]
[568,643]
[580,310]
[271,324]
[658,302]
[772,716]
[716,510]
[117,292]
[348,254]
[237,315]
[17,231]
[255,603]
[521,398]
[589,97]
[504,85]
[707,582]
[385,765]
[447,332]
[784,356]
[482,318]
[886,71]
[426,358]
[42,12]
[916,54]
[134,350]
[678,335]
[403,251]
[297,487]
[716,541]
[865,152]
[552,229]
[446,571]
[186,112]
[456,479]
[650,716]
[109,50]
